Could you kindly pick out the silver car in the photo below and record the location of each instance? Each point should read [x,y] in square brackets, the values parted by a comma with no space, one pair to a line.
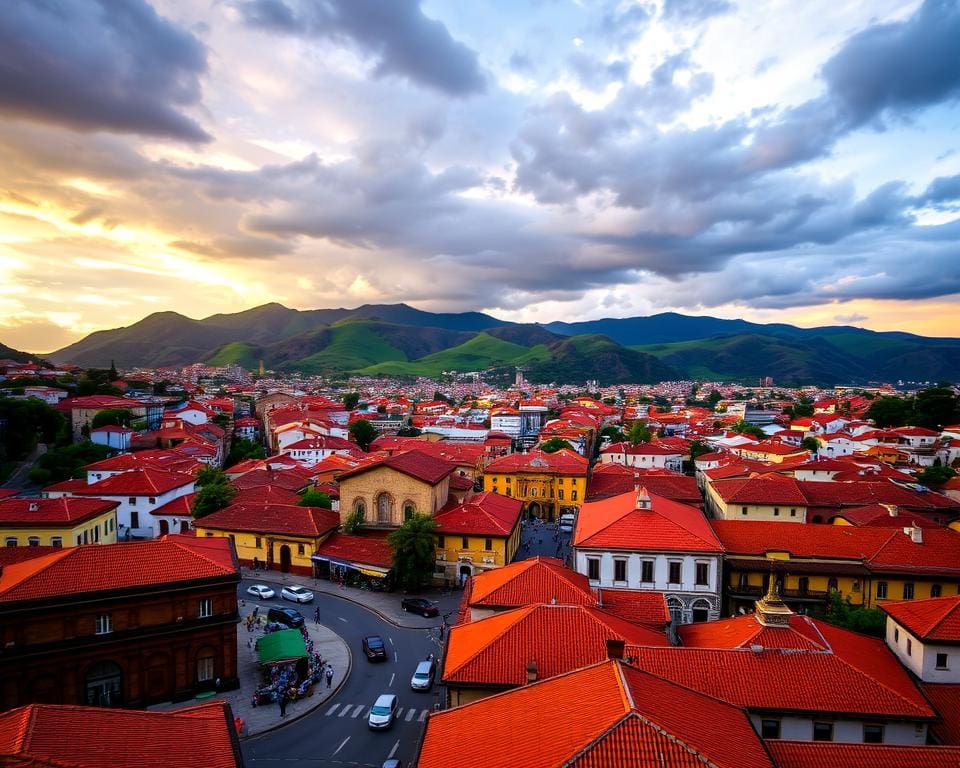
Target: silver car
[297,594]
[383,712]
[422,679]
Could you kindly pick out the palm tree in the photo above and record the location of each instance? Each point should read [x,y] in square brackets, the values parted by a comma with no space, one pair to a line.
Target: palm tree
[414,551]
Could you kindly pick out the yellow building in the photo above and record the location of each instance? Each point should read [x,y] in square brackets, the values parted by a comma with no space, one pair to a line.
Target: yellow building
[279,537]
[548,484]
[476,535]
[773,452]
[866,564]
[63,522]
[388,490]
[770,497]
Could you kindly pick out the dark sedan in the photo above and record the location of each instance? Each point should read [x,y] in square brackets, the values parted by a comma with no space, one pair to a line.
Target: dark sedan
[373,648]
[419,605]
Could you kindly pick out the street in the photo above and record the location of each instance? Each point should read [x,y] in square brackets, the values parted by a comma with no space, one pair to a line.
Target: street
[337,733]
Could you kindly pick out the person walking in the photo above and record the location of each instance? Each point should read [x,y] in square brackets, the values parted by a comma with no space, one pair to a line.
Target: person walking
[283,703]
[316,615]
[329,676]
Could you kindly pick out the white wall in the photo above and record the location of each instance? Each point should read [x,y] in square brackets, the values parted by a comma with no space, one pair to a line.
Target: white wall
[922,660]
[801,729]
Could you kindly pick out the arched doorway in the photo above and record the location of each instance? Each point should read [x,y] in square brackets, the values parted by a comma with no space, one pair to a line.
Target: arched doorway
[465,572]
[535,510]
[700,610]
[104,683]
[675,606]
[164,527]
[284,559]
[384,509]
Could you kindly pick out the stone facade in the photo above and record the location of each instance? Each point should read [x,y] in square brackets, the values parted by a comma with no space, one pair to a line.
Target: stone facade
[389,496]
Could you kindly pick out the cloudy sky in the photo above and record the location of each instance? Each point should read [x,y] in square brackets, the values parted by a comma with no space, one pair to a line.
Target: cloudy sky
[553,159]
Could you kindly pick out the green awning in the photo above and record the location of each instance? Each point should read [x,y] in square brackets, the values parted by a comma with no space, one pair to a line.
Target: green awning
[285,645]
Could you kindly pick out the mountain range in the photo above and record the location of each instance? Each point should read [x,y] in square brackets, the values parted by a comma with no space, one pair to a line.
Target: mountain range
[399,340]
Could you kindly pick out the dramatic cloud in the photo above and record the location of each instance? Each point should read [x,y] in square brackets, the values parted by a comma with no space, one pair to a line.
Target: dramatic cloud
[695,10]
[396,33]
[95,65]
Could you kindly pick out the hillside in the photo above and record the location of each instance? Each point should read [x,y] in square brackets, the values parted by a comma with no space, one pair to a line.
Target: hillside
[9,353]
[400,340]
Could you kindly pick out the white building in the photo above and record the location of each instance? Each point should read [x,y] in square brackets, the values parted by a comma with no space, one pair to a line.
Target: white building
[643,455]
[925,636]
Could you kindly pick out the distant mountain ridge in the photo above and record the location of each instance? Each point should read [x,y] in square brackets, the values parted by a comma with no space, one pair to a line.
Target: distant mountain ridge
[399,340]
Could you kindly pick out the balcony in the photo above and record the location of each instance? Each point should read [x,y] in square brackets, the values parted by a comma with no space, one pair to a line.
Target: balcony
[796,595]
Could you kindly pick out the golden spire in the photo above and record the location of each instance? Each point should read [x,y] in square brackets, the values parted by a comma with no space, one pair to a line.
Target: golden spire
[771,610]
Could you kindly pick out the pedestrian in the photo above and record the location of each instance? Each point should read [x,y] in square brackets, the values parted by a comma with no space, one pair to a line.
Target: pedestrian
[256,613]
[283,703]
[329,676]
[316,615]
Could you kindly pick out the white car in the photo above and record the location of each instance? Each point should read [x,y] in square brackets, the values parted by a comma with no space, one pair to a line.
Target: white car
[261,590]
[383,711]
[297,594]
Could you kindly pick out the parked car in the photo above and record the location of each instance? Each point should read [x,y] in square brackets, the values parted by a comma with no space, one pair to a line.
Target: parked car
[422,679]
[261,591]
[374,648]
[383,712]
[566,522]
[297,594]
[418,605]
[392,763]
[288,616]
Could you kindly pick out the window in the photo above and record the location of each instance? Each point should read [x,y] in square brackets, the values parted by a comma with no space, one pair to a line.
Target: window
[86,535]
[619,570]
[104,624]
[12,541]
[573,495]
[361,510]
[936,590]
[793,512]
[560,494]
[873,734]
[593,569]
[33,541]
[79,541]
[111,525]
[743,580]
[896,634]
[743,510]
[488,544]
[509,492]
[881,590]
[832,585]
[803,585]
[509,480]
[909,647]
[56,541]
[646,571]
[96,533]
[300,549]
[153,499]
[132,501]
[675,570]
[464,543]
[533,491]
[770,729]
[407,511]
[206,608]
[134,520]
[776,511]
[702,576]
[823,731]
[942,661]
[908,591]
[441,542]
[256,542]
[204,668]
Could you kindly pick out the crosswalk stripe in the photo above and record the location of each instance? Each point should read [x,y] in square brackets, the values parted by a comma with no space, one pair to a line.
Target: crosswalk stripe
[357,710]
[423,715]
[344,711]
[410,714]
[399,712]
[332,709]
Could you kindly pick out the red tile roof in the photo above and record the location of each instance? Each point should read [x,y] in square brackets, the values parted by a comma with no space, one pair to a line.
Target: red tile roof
[137,482]
[746,631]
[289,479]
[537,580]
[289,519]
[415,464]
[45,512]
[562,462]
[618,523]
[935,619]
[265,494]
[369,548]
[946,700]
[613,479]
[181,506]
[637,605]
[642,449]
[603,715]
[109,567]
[767,489]
[485,514]
[96,737]
[821,754]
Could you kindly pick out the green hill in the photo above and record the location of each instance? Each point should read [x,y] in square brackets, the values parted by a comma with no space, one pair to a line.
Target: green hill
[597,358]
[237,353]
[349,345]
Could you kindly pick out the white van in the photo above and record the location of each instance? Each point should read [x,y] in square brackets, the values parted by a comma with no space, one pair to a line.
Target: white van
[422,679]
[566,522]
[383,711]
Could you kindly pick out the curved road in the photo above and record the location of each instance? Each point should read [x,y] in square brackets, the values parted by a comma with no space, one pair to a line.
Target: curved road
[336,734]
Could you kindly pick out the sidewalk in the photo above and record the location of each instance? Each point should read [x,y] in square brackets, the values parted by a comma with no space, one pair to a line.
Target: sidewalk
[386,604]
[260,719]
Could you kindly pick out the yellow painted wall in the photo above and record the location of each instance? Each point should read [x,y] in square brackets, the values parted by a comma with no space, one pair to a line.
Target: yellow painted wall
[107,524]
[502,548]
[754,511]
[776,458]
[403,489]
[250,546]
[538,486]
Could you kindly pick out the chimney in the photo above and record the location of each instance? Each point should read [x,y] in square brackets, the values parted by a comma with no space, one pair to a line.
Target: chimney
[531,671]
[615,649]
[643,498]
[915,533]
[892,509]
[34,506]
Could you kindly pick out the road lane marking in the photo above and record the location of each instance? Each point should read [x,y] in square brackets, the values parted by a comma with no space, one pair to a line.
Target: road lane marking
[332,709]
[344,711]
[394,750]
[343,619]
[395,657]
[342,744]
[392,675]
[357,710]
[410,713]
[423,715]
[391,641]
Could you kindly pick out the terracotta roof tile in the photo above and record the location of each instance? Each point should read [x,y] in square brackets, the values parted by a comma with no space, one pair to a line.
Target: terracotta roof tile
[81,570]
[290,519]
[821,754]
[934,619]
[946,700]
[562,462]
[137,482]
[61,511]
[369,548]
[415,464]
[488,514]
[525,582]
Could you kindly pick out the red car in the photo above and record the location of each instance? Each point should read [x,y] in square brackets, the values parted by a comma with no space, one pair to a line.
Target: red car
[419,605]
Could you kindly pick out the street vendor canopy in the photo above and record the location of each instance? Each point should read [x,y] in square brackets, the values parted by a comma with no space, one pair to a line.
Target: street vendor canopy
[284,645]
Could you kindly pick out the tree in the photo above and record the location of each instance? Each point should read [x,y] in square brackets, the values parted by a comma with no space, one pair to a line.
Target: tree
[842,613]
[639,433]
[614,433]
[408,432]
[698,448]
[935,408]
[811,444]
[113,416]
[714,397]
[746,428]
[890,411]
[414,551]
[210,498]
[799,409]
[67,461]
[353,522]
[554,444]
[211,476]
[936,475]
[363,433]
[221,420]
[242,449]
[312,498]
[112,374]
[350,400]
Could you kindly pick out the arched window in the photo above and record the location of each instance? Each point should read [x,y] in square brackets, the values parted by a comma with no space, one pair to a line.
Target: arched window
[360,508]
[675,606]
[103,685]
[408,510]
[832,585]
[384,509]
[700,610]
